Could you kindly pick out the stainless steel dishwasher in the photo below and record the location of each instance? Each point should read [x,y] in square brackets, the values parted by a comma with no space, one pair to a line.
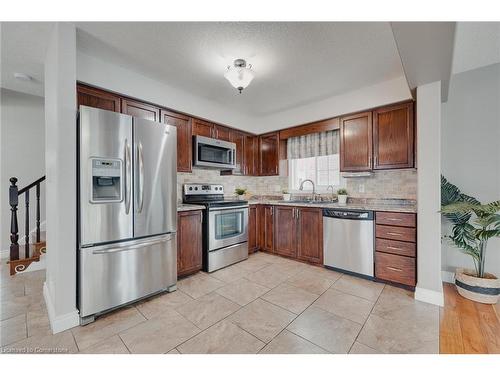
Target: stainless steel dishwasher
[348,240]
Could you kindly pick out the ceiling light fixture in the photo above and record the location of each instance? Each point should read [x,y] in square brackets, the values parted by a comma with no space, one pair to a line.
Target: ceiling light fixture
[240,75]
[23,77]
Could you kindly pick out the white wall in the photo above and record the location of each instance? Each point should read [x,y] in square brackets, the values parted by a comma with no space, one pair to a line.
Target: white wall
[471,150]
[380,94]
[429,285]
[60,160]
[22,155]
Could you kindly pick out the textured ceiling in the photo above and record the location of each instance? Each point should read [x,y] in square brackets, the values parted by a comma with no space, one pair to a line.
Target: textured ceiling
[295,63]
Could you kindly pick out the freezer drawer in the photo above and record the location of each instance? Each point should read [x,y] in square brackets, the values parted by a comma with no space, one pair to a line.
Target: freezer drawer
[116,274]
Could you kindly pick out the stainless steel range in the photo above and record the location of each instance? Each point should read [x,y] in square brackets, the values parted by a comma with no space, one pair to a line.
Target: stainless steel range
[225,225]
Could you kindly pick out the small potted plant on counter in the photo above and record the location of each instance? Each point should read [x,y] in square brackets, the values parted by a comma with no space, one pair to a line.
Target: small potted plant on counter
[473,225]
[286,195]
[342,196]
[240,192]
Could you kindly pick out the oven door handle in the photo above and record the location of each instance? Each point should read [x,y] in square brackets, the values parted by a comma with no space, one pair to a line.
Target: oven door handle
[236,208]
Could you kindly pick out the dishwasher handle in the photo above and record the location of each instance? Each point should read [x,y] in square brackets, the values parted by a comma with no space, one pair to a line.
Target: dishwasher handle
[348,214]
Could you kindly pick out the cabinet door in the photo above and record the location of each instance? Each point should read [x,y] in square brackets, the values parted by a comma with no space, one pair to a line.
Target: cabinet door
[356,142]
[310,234]
[222,133]
[141,110]
[252,229]
[96,98]
[251,146]
[189,242]
[267,228]
[269,154]
[184,138]
[285,238]
[239,139]
[202,128]
[393,135]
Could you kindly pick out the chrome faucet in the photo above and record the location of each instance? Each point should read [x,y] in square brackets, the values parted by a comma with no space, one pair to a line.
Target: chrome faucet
[312,183]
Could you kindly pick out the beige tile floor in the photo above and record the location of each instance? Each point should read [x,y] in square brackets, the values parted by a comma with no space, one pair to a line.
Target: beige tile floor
[266,304]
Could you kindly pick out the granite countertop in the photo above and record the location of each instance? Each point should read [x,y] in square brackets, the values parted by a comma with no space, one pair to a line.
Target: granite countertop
[189,207]
[378,205]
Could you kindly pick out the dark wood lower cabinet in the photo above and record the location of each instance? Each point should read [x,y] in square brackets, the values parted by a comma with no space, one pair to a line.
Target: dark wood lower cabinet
[293,232]
[284,227]
[253,229]
[396,247]
[266,228]
[189,242]
[310,234]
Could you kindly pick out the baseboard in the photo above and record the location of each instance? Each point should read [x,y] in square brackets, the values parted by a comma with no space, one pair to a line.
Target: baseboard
[448,277]
[429,296]
[62,322]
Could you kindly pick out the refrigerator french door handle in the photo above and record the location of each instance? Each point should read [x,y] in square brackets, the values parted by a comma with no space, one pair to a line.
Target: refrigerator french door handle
[126,247]
[140,157]
[128,175]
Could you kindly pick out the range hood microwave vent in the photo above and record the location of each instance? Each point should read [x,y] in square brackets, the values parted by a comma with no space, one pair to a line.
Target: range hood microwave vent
[356,174]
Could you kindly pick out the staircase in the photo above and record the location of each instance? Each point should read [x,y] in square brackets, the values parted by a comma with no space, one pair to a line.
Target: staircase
[21,256]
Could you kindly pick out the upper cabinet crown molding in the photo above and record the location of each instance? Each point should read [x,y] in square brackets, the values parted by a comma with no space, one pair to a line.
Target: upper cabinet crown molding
[96,98]
[313,127]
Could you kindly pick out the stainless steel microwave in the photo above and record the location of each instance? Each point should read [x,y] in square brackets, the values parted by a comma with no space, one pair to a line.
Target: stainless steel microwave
[213,153]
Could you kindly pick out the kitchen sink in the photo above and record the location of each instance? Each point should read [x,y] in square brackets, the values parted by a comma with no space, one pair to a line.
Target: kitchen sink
[306,201]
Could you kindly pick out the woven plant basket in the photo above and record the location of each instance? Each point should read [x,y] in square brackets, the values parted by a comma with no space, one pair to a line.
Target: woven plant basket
[484,290]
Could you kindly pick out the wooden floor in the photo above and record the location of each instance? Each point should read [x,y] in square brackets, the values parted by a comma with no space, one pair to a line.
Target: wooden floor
[468,327]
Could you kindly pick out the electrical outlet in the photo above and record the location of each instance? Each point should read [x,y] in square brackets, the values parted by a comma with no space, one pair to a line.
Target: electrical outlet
[361,188]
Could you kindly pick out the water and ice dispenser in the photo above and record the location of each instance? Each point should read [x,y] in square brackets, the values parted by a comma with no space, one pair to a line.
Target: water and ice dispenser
[107,180]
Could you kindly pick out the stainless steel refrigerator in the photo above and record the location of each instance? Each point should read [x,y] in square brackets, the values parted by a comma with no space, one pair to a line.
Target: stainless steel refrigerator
[127,210]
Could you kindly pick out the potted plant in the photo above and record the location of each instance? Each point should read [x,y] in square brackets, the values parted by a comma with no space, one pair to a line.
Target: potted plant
[473,225]
[240,192]
[286,195]
[342,196]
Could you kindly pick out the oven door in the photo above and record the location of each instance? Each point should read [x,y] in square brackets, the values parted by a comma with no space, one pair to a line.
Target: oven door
[227,226]
[209,152]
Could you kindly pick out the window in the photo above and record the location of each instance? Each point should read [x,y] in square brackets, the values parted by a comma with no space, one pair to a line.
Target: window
[323,170]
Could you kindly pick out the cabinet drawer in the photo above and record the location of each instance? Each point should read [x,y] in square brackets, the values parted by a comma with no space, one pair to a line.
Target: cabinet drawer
[395,268]
[395,218]
[395,233]
[396,247]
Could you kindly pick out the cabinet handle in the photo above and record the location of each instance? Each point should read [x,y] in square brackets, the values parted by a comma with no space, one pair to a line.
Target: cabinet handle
[298,213]
[369,160]
[394,234]
[375,160]
[395,269]
[394,248]
[393,219]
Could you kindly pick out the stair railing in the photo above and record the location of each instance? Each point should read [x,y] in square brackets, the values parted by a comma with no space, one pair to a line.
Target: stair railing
[14,194]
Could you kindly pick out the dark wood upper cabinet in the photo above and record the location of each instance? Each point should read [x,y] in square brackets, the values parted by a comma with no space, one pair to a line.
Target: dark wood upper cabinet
[189,242]
[356,142]
[184,138]
[269,154]
[284,227]
[253,229]
[202,128]
[251,155]
[393,135]
[140,110]
[310,234]
[96,98]
[222,133]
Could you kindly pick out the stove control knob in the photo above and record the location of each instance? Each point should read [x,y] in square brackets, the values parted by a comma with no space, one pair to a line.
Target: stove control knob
[196,188]
[190,188]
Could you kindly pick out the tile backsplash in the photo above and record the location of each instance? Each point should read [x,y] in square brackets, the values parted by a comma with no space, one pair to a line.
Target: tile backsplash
[395,184]
[399,184]
[255,185]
